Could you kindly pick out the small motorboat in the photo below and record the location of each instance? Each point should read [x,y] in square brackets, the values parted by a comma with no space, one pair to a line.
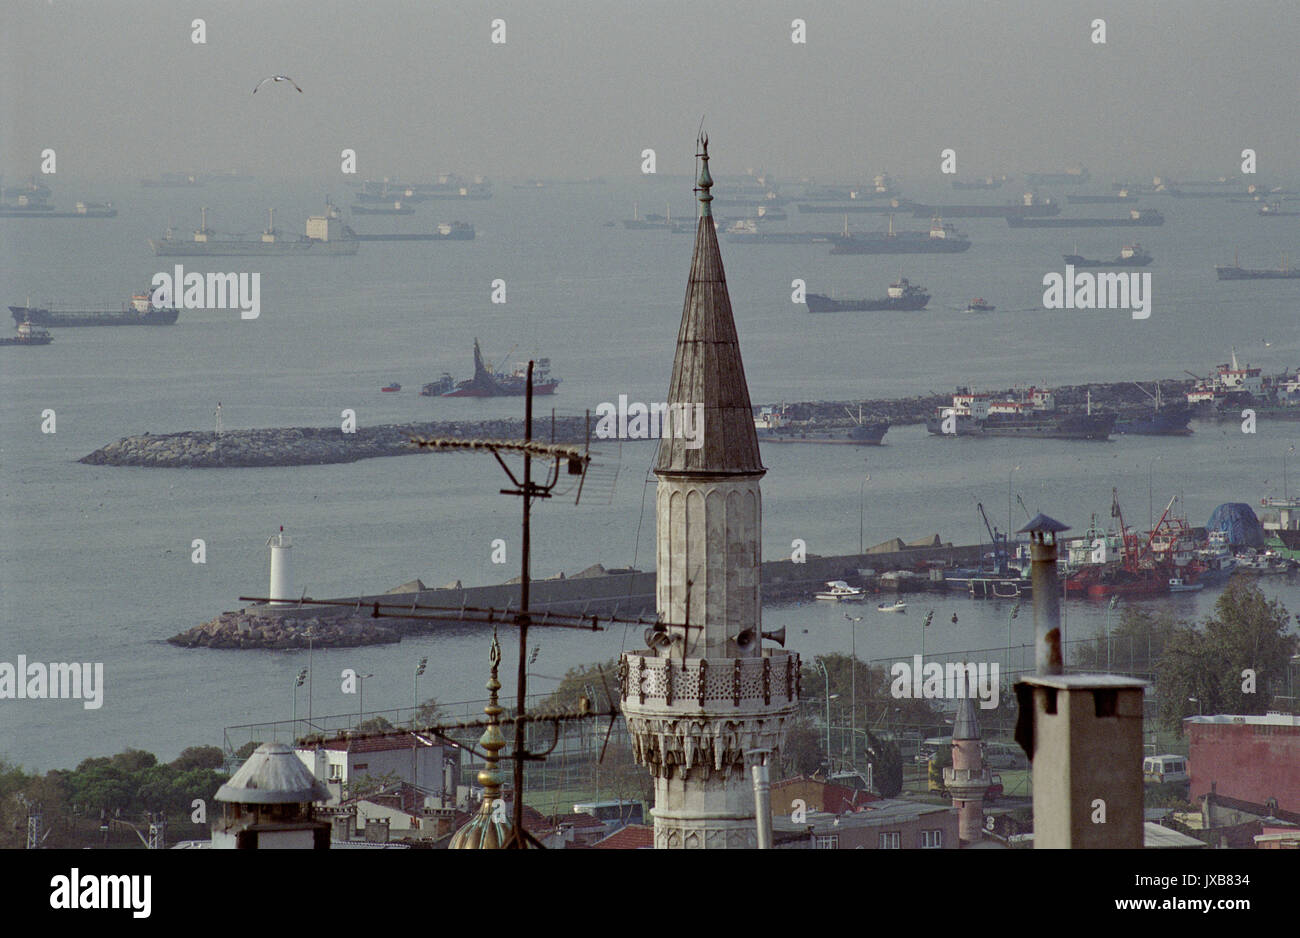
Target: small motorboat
[1178,585]
[978,305]
[838,590]
[391,387]
[896,606]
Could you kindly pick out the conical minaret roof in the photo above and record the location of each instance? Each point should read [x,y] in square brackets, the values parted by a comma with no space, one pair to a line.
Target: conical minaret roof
[707,368]
[967,724]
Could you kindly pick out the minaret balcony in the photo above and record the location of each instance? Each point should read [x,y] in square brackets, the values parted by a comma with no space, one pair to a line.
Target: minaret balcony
[967,784]
[713,685]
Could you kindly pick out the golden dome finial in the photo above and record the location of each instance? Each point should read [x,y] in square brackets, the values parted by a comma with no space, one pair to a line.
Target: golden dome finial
[490,828]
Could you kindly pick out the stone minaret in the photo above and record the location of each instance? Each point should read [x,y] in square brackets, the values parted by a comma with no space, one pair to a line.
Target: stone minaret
[969,778]
[707,693]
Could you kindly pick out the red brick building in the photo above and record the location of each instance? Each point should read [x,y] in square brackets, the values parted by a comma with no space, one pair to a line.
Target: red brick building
[1249,758]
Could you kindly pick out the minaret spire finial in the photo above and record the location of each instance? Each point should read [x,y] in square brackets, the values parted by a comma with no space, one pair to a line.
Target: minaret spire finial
[705,181]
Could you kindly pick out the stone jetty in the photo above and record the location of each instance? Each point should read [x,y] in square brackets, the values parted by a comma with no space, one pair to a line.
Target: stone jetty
[313,446]
[268,628]
[309,446]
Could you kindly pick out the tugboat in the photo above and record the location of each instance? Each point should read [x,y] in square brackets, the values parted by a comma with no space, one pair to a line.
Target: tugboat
[29,335]
[901,295]
[487,383]
[1130,255]
[392,387]
[978,305]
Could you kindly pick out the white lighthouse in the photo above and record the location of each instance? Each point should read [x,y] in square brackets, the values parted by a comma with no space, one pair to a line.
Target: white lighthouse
[280,545]
[707,694]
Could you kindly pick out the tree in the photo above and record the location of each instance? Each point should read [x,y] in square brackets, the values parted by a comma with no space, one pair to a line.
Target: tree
[804,750]
[1230,665]
[430,712]
[887,765]
[375,725]
[1137,638]
[199,757]
[590,681]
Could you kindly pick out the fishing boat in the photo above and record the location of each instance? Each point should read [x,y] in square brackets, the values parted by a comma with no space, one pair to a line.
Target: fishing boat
[29,335]
[839,591]
[391,387]
[1179,585]
[896,606]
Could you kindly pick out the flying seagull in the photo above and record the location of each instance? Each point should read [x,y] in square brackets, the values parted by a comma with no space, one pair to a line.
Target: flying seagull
[277,78]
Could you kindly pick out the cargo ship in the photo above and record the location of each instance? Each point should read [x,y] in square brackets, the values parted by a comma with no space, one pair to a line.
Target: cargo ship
[1237,272]
[1130,255]
[139,312]
[746,231]
[940,239]
[1137,218]
[1028,413]
[1120,195]
[1165,420]
[488,383]
[28,335]
[396,208]
[900,295]
[173,181]
[1076,175]
[446,231]
[326,236]
[773,426]
[988,182]
[880,208]
[1030,206]
[46,210]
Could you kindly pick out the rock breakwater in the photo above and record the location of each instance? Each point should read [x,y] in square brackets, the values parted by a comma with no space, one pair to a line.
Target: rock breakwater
[277,630]
[308,446]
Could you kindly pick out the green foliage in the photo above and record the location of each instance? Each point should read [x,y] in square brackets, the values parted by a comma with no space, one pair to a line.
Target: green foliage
[1137,638]
[588,680]
[375,725]
[887,765]
[876,704]
[132,783]
[1247,632]
[246,750]
[430,712]
[199,757]
[1168,795]
[804,751]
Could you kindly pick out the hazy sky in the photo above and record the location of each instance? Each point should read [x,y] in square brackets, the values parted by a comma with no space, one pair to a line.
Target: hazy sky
[580,88]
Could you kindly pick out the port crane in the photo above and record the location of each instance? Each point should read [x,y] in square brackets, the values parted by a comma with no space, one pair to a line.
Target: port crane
[999,541]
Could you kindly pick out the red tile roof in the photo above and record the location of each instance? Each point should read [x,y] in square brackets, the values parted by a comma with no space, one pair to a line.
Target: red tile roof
[631,837]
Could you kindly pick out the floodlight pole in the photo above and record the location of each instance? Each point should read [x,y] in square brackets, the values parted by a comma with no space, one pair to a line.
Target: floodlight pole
[517,838]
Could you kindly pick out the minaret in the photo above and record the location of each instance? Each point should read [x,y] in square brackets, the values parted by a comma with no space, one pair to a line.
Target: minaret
[707,693]
[969,778]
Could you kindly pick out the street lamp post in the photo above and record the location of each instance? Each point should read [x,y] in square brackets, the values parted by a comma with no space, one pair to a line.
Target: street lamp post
[928,616]
[853,683]
[1006,545]
[415,683]
[361,697]
[862,489]
[1110,606]
[1290,450]
[826,674]
[1015,611]
[302,676]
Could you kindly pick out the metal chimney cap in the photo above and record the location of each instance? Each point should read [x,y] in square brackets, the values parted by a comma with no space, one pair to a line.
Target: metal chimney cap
[1045,524]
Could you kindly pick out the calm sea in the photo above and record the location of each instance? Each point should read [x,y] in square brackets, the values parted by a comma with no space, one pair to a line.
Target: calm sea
[96,561]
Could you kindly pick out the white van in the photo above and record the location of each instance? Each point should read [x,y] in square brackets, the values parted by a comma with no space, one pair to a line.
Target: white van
[1167,768]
